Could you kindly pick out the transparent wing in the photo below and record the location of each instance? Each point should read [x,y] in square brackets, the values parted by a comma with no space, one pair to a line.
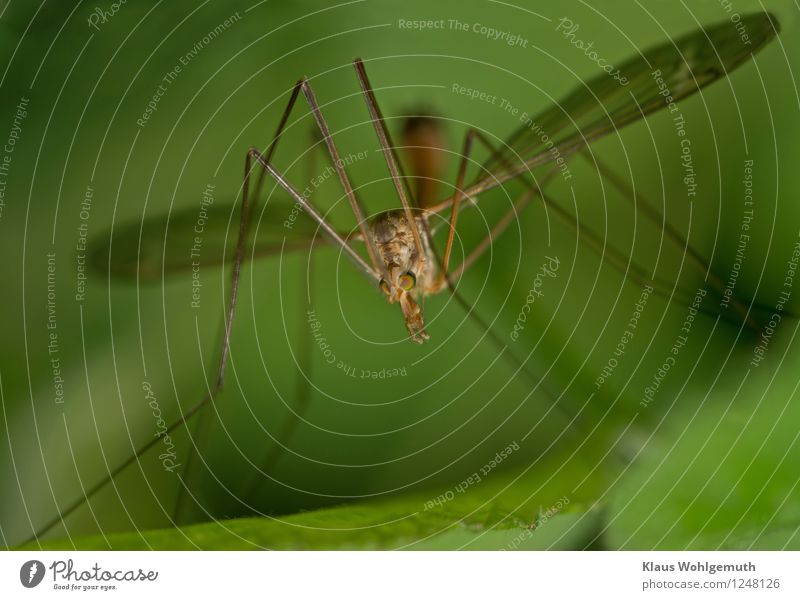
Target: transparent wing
[663,74]
[168,244]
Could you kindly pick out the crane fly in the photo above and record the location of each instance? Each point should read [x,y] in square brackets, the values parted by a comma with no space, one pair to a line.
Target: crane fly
[402,261]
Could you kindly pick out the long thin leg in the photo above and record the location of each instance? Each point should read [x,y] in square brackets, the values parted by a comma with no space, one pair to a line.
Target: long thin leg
[520,366]
[388,152]
[214,390]
[455,202]
[302,396]
[635,199]
[302,393]
[520,204]
[494,152]
[326,228]
[153,440]
[457,195]
[641,204]
[378,268]
[210,394]
[358,210]
[264,160]
[244,226]
[609,254]
[276,138]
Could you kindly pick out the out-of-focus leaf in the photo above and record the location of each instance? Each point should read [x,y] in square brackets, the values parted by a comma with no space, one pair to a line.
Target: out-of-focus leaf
[513,511]
[725,478]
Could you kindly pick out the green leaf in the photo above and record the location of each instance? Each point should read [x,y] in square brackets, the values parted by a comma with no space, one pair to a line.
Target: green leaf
[531,509]
[723,475]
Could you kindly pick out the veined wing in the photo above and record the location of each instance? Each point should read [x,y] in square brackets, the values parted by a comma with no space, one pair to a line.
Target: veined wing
[188,239]
[657,77]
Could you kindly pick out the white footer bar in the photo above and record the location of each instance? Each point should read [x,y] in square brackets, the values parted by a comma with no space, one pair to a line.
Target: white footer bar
[400,575]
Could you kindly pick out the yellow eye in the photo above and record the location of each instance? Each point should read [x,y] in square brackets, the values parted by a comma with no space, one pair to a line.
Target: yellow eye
[385,287]
[407,281]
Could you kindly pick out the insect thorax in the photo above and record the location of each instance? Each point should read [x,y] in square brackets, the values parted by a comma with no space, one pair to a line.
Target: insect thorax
[394,239]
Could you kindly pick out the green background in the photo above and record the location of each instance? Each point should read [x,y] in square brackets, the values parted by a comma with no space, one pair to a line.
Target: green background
[711,463]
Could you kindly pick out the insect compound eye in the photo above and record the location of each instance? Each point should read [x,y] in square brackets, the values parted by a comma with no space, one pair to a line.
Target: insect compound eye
[407,281]
[385,287]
